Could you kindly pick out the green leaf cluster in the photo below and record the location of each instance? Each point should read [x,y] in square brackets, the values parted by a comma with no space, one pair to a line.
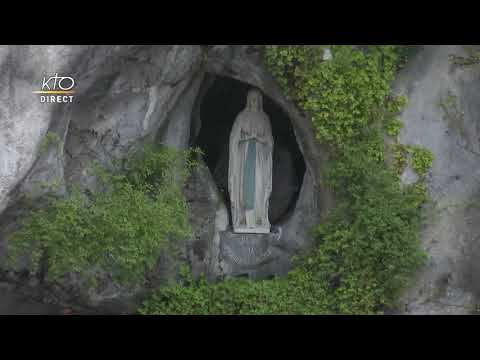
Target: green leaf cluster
[394,126]
[50,138]
[422,160]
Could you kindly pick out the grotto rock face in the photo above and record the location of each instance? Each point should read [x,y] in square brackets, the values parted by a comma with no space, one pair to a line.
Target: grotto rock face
[443,116]
[126,95]
[123,94]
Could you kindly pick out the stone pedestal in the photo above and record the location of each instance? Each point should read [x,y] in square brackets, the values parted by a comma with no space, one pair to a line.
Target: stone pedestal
[255,256]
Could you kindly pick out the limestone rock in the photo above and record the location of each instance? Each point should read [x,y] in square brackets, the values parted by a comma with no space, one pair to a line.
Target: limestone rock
[443,116]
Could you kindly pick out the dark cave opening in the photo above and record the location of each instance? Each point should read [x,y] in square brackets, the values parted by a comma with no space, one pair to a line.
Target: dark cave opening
[222,102]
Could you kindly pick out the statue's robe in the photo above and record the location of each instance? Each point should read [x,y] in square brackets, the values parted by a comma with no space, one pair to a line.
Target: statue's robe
[250,171]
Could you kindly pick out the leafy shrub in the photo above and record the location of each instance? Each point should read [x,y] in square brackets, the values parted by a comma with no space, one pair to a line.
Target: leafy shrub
[121,230]
[400,153]
[344,96]
[50,138]
[394,126]
[422,160]
[373,235]
[300,293]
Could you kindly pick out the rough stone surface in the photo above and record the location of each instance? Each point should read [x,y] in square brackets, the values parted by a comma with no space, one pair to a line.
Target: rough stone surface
[23,119]
[451,130]
[208,216]
[12,303]
[256,256]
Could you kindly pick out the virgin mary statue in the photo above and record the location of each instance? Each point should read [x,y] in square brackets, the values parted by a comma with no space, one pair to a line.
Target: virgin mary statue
[250,167]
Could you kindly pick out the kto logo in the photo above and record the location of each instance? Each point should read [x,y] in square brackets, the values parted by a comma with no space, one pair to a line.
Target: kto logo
[56,89]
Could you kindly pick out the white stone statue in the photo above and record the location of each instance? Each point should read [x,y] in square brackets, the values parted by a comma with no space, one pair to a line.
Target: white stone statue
[250,167]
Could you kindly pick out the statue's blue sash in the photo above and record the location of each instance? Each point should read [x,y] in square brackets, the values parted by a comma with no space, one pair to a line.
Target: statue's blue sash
[249,175]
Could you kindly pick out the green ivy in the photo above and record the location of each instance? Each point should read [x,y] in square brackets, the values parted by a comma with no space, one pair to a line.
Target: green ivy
[372,237]
[50,138]
[121,229]
[344,96]
[422,160]
[400,154]
[394,126]
[299,293]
